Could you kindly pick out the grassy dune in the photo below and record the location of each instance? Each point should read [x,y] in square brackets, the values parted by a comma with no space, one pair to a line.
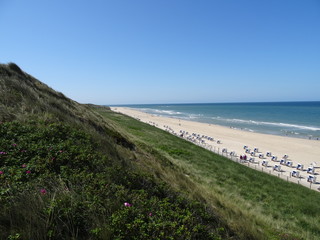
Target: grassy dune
[74,171]
[253,204]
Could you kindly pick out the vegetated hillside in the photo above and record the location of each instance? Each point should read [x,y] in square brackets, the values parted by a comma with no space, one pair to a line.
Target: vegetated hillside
[67,173]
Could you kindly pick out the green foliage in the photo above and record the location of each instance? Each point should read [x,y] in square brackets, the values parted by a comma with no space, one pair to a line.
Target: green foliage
[54,184]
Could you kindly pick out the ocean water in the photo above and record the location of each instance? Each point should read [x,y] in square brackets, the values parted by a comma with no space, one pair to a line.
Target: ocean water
[295,119]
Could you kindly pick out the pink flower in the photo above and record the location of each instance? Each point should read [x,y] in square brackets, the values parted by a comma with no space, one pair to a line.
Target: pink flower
[150,214]
[14,145]
[1,172]
[43,191]
[3,153]
[28,172]
[24,165]
[23,151]
[126,204]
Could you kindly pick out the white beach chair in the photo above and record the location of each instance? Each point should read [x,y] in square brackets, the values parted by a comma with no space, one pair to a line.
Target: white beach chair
[245,147]
[289,163]
[285,156]
[311,179]
[224,150]
[248,150]
[256,150]
[310,170]
[261,155]
[277,168]
[300,166]
[253,154]
[295,174]
[274,158]
[283,162]
[265,163]
[268,154]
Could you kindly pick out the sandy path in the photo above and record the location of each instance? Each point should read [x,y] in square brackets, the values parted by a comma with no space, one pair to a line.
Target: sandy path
[303,151]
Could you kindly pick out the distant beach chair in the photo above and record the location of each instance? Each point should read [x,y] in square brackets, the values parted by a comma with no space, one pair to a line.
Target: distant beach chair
[218,141]
[268,154]
[248,150]
[295,174]
[311,179]
[300,166]
[256,150]
[310,170]
[224,150]
[289,163]
[252,160]
[283,162]
[285,156]
[265,163]
[277,168]
[261,155]
[274,158]
[253,154]
[245,147]
[233,153]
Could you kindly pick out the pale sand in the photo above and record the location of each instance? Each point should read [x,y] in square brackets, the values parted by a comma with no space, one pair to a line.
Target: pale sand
[303,151]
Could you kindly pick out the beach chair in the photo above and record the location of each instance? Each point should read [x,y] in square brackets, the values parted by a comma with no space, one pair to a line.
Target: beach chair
[265,163]
[300,166]
[274,158]
[252,160]
[277,168]
[261,155]
[311,179]
[295,174]
[283,162]
[253,154]
[247,150]
[285,156]
[245,147]
[268,154]
[310,170]
[233,153]
[256,150]
[289,163]
[224,150]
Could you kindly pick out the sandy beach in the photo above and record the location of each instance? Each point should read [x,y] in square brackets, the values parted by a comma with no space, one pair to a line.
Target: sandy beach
[302,151]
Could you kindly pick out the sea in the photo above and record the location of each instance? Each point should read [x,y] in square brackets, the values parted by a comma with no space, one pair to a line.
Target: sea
[294,119]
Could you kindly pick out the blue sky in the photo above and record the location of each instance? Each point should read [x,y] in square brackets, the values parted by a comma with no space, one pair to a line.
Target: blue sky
[167,51]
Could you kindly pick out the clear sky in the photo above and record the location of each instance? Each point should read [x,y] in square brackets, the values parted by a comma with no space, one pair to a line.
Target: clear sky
[167,51]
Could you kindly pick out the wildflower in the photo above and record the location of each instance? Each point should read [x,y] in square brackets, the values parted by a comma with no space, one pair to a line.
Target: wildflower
[150,214]
[23,150]
[43,191]
[28,172]
[1,172]
[24,165]
[126,204]
[14,145]
[3,153]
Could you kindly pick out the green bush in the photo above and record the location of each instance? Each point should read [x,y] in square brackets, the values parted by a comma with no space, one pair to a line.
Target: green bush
[54,184]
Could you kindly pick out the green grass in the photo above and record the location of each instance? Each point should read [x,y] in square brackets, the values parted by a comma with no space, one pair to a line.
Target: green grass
[55,183]
[254,204]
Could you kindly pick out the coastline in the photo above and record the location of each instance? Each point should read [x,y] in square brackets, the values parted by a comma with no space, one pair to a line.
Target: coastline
[299,150]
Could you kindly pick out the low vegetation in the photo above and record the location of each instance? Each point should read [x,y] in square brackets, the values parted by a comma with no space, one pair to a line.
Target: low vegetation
[254,204]
[73,171]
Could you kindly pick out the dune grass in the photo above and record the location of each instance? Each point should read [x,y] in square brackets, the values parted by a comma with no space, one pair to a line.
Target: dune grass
[253,204]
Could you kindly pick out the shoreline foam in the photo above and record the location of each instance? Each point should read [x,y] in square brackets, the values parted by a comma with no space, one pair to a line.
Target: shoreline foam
[303,151]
